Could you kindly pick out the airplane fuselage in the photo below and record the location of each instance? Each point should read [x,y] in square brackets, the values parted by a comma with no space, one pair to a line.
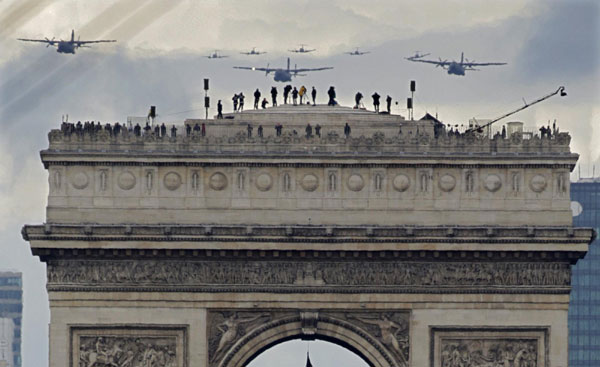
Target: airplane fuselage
[66,47]
[456,69]
[282,76]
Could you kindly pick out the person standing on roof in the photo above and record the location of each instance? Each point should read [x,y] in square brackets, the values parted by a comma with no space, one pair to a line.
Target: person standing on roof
[256,98]
[358,98]
[301,93]
[219,110]
[376,97]
[388,101]
[264,103]
[313,94]
[274,96]
[331,94]
[295,96]
[235,102]
[241,101]
[286,92]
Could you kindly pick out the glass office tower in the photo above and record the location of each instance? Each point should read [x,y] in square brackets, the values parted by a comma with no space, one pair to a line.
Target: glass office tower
[584,309]
[11,307]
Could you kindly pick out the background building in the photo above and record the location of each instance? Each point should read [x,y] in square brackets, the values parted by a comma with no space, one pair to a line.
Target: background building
[7,333]
[584,310]
[11,307]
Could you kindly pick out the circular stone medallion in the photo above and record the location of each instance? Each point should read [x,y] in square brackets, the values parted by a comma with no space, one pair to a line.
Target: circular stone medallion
[401,183]
[218,181]
[447,182]
[538,183]
[493,183]
[356,182]
[264,182]
[172,181]
[79,180]
[126,180]
[310,182]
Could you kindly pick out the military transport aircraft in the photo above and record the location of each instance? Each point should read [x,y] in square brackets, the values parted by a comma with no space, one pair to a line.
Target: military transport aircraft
[454,67]
[66,47]
[215,55]
[417,55]
[302,50]
[283,75]
[253,52]
[357,52]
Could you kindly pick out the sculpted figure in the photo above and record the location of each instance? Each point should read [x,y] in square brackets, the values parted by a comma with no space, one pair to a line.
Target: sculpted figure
[388,329]
[229,329]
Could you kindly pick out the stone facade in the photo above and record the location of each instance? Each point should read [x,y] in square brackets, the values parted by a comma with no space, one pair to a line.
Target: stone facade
[404,243]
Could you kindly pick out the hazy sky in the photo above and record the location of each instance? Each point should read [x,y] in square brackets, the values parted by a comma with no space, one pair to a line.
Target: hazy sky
[158,61]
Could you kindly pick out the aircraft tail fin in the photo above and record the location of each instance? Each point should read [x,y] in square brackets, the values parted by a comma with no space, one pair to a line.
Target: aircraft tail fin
[72,35]
[462,55]
[288,64]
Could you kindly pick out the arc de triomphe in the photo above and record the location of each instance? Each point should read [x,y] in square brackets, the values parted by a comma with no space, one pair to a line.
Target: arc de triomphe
[410,247]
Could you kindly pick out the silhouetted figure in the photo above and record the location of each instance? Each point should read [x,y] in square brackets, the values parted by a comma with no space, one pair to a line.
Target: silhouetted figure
[249,128]
[203,129]
[235,102]
[188,130]
[157,131]
[241,98]
[301,93]
[295,96]
[376,97]
[264,103]
[273,96]
[542,131]
[173,132]
[347,130]
[318,130]
[117,128]
[147,129]
[313,94]
[219,110]
[163,130]
[548,130]
[331,94]
[196,129]
[256,98]
[259,131]
[503,132]
[278,128]
[286,92]
[137,130]
[388,101]
[357,99]
[108,129]
[308,130]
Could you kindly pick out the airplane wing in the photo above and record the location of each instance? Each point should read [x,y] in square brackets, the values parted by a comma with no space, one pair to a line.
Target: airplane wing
[308,69]
[79,43]
[50,42]
[471,64]
[268,70]
[245,53]
[440,63]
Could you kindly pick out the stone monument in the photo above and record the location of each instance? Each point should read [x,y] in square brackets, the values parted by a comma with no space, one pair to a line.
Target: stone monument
[407,244]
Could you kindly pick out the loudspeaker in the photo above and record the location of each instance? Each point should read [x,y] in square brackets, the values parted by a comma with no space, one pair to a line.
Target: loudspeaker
[409,103]
[413,86]
[205,84]
[206,101]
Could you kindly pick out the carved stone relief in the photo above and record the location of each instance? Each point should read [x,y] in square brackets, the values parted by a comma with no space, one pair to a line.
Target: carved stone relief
[128,347]
[447,182]
[264,182]
[512,347]
[195,181]
[218,181]
[126,180]
[493,183]
[103,178]
[172,181]
[538,183]
[326,273]
[401,183]
[79,180]
[310,182]
[386,331]
[55,180]
[356,182]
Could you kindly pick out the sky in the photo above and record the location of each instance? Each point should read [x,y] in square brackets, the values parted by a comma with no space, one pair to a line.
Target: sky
[158,60]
